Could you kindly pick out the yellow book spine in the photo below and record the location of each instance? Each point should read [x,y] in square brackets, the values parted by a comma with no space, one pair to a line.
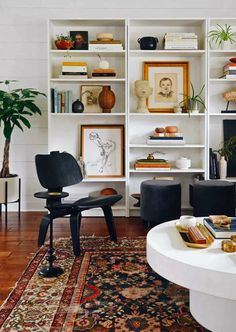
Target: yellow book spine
[74,63]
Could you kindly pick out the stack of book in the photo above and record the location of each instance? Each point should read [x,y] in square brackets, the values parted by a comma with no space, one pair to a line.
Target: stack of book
[220,232]
[180,40]
[74,69]
[166,139]
[61,101]
[229,71]
[152,164]
[104,73]
[105,45]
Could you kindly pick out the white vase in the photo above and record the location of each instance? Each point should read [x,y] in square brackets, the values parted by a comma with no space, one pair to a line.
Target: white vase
[222,168]
[226,45]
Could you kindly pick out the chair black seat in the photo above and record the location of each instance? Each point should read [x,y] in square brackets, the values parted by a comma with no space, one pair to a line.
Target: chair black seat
[55,171]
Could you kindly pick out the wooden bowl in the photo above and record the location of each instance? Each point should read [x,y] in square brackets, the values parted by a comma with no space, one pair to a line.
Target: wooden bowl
[233,60]
[171,129]
[160,130]
[108,191]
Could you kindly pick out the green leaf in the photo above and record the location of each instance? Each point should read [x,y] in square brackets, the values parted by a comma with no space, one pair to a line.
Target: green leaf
[7,131]
[25,121]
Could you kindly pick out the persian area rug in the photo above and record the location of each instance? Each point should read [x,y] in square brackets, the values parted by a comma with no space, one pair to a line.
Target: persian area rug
[110,287]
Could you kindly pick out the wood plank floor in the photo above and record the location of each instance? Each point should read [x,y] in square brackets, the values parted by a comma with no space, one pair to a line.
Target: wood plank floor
[18,241]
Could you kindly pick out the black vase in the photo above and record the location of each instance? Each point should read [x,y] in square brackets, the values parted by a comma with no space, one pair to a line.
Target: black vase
[77,106]
[148,43]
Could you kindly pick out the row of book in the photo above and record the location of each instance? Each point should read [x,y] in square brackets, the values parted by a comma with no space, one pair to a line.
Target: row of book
[229,71]
[74,69]
[152,164]
[213,163]
[103,73]
[61,101]
[180,40]
[105,45]
[166,140]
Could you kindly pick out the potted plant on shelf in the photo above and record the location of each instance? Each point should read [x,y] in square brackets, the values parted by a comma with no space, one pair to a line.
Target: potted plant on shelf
[16,106]
[222,36]
[194,100]
[64,42]
[225,151]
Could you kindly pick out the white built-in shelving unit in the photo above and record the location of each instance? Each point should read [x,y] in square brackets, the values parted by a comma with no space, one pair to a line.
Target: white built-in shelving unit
[201,131]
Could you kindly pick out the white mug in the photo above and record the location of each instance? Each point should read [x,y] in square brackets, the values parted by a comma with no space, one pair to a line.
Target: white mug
[183,163]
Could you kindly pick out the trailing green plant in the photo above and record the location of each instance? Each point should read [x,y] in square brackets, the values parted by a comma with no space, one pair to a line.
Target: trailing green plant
[227,148]
[222,33]
[63,37]
[193,99]
[16,107]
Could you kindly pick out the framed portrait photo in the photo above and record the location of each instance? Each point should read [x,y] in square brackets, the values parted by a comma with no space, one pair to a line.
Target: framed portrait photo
[89,97]
[170,83]
[81,40]
[102,150]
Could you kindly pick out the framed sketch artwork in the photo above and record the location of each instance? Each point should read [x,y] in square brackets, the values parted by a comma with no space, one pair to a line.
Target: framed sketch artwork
[102,150]
[89,97]
[170,83]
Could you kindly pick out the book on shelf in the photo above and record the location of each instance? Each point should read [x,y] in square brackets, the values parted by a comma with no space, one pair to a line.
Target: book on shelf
[181,34]
[105,47]
[153,169]
[61,101]
[230,65]
[168,138]
[154,165]
[228,111]
[103,74]
[165,142]
[73,76]
[74,69]
[151,161]
[228,77]
[220,232]
[167,135]
[114,41]
[102,70]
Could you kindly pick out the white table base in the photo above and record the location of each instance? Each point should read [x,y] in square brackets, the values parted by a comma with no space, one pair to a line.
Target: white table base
[214,313]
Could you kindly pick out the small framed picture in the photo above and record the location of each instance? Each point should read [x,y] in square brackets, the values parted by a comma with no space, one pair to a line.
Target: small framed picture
[89,97]
[170,83]
[102,150]
[81,40]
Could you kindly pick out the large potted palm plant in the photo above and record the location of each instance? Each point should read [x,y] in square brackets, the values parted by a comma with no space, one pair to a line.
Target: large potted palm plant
[16,108]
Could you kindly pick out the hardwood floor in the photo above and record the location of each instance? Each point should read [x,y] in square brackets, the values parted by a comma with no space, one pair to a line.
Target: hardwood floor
[18,240]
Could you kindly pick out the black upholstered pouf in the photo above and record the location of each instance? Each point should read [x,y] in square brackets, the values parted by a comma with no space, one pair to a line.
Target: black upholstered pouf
[160,201]
[212,197]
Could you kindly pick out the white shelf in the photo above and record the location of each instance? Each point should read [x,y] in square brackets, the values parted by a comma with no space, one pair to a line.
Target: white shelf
[172,170]
[87,114]
[105,179]
[175,53]
[186,146]
[222,52]
[223,114]
[88,80]
[222,80]
[88,53]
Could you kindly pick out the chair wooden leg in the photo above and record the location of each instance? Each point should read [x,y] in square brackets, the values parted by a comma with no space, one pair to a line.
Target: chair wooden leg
[110,222]
[75,221]
[45,222]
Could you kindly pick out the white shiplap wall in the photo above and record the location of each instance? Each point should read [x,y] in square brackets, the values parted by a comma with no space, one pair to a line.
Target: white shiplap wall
[23,56]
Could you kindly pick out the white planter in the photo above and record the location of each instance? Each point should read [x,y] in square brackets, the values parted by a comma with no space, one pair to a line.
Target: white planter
[226,45]
[12,189]
[222,168]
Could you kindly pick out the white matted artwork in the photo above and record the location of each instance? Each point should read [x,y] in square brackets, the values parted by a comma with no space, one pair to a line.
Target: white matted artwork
[89,97]
[102,149]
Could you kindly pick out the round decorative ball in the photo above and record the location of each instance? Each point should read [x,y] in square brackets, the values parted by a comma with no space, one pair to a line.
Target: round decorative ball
[77,106]
[171,129]
[104,64]
[159,130]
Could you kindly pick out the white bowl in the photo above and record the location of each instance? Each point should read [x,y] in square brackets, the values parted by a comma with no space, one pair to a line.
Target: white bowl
[187,221]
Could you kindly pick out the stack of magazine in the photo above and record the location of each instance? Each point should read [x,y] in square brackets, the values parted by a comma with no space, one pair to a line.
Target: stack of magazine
[166,139]
[221,231]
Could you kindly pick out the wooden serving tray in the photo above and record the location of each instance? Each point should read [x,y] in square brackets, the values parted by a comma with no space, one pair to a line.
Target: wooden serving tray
[183,233]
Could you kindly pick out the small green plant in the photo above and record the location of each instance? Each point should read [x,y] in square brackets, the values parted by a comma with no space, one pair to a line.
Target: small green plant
[193,100]
[62,37]
[16,106]
[222,33]
[227,148]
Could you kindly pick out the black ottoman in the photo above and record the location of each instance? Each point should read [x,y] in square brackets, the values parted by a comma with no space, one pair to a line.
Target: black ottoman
[212,197]
[160,201]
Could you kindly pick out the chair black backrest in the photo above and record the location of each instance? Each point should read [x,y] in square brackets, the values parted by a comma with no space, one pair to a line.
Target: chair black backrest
[57,170]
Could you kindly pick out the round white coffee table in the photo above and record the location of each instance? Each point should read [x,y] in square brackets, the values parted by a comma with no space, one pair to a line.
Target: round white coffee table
[210,275]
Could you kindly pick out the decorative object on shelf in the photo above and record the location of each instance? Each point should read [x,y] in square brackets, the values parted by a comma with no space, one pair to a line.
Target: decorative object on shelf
[64,42]
[194,100]
[169,80]
[180,41]
[136,196]
[105,42]
[106,99]
[102,149]
[89,97]
[103,71]
[142,91]
[222,36]
[229,96]
[151,163]
[74,69]
[150,156]
[232,60]
[171,129]
[225,152]
[229,70]
[77,106]
[183,163]
[16,107]
[148,43]
[80,39]
[103,64]
[104,36]
[108,191]
[159,130]
[170,136]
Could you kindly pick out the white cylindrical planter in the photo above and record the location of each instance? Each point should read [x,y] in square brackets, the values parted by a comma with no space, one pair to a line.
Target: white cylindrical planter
[222,167]
[12,189]
[226,45]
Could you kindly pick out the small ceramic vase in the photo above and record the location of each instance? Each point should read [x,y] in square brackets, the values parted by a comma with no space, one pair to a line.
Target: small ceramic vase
[77,106]
[106,99]
[222,167]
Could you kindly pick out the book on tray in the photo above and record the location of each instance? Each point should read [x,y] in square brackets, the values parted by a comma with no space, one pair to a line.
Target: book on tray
[221,232]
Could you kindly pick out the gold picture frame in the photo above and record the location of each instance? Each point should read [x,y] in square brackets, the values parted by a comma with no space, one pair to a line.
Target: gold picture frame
[102,150]
[170,83]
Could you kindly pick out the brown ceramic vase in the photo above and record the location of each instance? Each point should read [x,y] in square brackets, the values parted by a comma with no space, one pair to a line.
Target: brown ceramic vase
[106,99]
